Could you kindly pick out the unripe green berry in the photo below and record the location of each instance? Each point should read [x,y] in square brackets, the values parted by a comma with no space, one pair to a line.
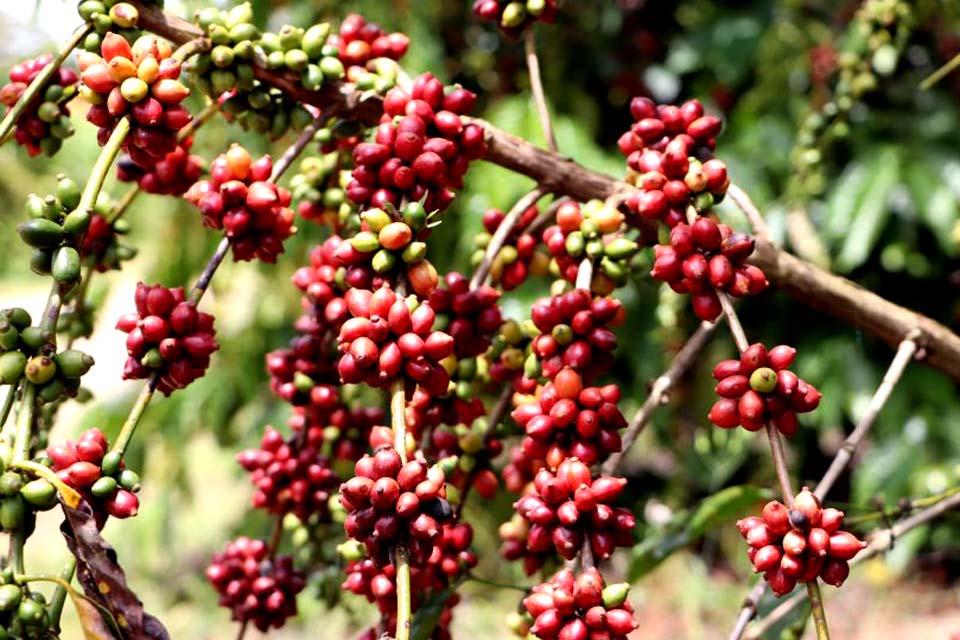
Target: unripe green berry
[104,487]
[40,369]
[763,380]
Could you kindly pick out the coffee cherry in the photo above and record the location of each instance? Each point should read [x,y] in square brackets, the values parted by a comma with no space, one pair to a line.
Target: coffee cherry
[171,175]
[45,124]
[789,546]
[513,16]
[753,391]
[167,336]
[577,607]
[256,588]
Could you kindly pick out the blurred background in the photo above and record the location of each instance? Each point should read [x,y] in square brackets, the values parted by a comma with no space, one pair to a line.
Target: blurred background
[868,186]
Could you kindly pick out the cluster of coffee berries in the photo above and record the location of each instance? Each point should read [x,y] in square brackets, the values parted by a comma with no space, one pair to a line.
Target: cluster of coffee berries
[21,499]
[582,231]
[704,258]
[318,188]
[507,354]
[668,151]
[567,507]
[101,246]
[471,316]
[229,63]
[87,465]
[389,502]
[109,16]
[799,544]
[256,588]
[289,477]
[345,431]
[54,230]
[23,611]
[167,337]
[574,333]
[46,123]
[571,420]
[580,607]
[140,82]
[241,199]
[759,388]
[323,282]
[518,258]
[513,16]
[388,337]
[359,42]
[26,352]
[421,150]
[304,51]
[171,175]
[387,246]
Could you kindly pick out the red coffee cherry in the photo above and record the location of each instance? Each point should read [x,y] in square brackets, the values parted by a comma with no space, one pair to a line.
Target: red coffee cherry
[45,123]
[519,257]
[567,507]
[102,481]
[472,316]
[140,81]
[358,42]
[171,175]
[758,389]
[577,607]
[513,17]
[167,336]
[253,212]
[800,544]
[255,588]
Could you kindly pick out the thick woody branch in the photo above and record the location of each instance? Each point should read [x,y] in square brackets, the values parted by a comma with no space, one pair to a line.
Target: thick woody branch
[811,285]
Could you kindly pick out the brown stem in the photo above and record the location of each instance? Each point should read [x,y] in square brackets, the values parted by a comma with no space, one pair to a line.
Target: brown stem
[658,392]
[500,235]
[748,610]
[905,353]
[586,554]
[536,86]
[811,285]
[295,149]
[745,204]
[780,463]
[733,321]
[203,283]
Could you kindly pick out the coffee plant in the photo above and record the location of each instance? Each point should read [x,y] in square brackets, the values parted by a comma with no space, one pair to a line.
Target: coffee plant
[425,392]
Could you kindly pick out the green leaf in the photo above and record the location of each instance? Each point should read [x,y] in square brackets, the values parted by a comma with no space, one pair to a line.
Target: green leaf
[713,511]
[871,212]
[936,202]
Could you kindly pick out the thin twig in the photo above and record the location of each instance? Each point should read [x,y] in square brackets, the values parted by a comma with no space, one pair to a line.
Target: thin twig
[295,149]
[203,283]
[191,47]
[536,86]
[38,83]
[905,353]
[8,404]
[748,610]
[903,507]
[941,73]
[745,204]
[658,392]
[60,592]
[733,321]
[500,235]
[780,463]
[546,217]
[816,608]
[133,418]
[880,541]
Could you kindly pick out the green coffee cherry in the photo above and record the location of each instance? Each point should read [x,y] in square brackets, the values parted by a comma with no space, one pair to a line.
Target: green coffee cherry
[104,487]
[9,336]
[39,493]
[10,483]
[414,252]
[12,365]
[12,511]
[73,363]
[110,463]
[365,242]
[614,595]
[41,233]
[68,193]
[34,337]
[52,391]
[383,261]
[763,380]
[18,317]
[9,597]
[31,613]
[129,480]
[66,266]
[314,39]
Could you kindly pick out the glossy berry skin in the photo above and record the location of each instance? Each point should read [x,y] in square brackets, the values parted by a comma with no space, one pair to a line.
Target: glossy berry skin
[171,175]
[669,153]
[167,336]
[703,258]
[421,149]
[570,420]
[256,588]
[384,340]
[472,316]
[140,81]
[575,332]
[46,122]
[240,199]
[513,16]
[567,507]
[80,464]
[359,42]
[579,606]
[799,544]
[290,477]
[101,245]
[389,502]
[759,388]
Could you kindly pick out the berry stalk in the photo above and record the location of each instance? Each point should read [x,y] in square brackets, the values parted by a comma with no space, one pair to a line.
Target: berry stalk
[133,418]
[501,234]
[33,89]
[745,204]
[399,425]
[536,86]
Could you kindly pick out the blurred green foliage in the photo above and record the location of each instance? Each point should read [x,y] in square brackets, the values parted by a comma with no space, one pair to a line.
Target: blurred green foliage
[887,215]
